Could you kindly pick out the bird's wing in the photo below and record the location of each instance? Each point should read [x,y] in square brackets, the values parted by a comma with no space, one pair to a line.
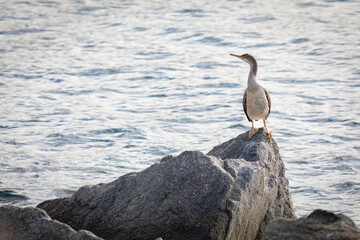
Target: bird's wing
[245,105]
[269,102]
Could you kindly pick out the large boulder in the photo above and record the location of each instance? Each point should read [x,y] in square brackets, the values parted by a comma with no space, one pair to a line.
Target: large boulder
[319,225]
[230,193]
[34,224]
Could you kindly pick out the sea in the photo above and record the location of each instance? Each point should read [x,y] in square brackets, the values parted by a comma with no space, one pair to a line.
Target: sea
[91,90]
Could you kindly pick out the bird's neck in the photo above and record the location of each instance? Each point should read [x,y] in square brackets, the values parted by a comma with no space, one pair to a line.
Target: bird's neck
[252,83]
[253,68]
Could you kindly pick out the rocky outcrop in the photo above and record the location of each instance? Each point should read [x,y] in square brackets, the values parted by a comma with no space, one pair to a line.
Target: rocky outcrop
[34,224]
[319,225]
[229,193]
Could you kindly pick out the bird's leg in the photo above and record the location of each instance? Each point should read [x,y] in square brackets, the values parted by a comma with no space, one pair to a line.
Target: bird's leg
[253,130]
[266,130]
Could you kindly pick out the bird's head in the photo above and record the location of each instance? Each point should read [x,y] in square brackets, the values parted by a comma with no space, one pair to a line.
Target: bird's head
[246,58]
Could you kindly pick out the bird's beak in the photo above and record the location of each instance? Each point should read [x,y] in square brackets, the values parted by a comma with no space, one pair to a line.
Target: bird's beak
[242,58]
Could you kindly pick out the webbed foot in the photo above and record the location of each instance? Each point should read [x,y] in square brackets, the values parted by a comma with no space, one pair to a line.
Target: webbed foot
[252,132]
[269,134]
[267,131]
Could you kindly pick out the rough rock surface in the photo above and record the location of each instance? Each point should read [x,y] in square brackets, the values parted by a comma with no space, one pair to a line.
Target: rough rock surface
[230,193]
[34,224]
[319,225]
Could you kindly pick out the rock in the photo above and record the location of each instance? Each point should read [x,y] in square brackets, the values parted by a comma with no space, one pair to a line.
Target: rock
[34,224]
[319,225]
[230,193]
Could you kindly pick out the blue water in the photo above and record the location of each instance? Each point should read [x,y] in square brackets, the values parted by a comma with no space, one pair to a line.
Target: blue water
[91,90]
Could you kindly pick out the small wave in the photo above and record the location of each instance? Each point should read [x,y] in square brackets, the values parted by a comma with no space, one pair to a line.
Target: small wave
[56,80]
[330,119]
[140,29]
[215,40]
[30,121]
[57,135]
[110,90]
[264,45]
[317,52]
[259,19]
[228,85]
[47,97]
[314,103]
[346,186]
[344,168]
[87,119]
[130,146]
[345,138]
[238,126]
[191,11]
[71,93]
[89,46]
[108,131]
[11,196]
[308,192]
[86,10]
[173,30]
[352,124]
[146,77]
[321,141]
[60,112]
[158,96]
[338,0]
[210,40]
[22,31]
[189,36]
[154,55]
[59,139]
[103,71]
[252,35]
[300,40]
[299,162]
[14,142]
[179,120]
[207,65]
[343,158]
[25,2]
[204,108]
[161,150]
[26,76]
[310,4]
[116,24]
[63,192]
[122,132]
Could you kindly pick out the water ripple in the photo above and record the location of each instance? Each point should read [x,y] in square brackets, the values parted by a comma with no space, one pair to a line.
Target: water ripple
[22,31]
[93,90]
[9,196]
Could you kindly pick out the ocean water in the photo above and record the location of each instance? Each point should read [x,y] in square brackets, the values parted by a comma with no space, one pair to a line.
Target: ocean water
[91,90]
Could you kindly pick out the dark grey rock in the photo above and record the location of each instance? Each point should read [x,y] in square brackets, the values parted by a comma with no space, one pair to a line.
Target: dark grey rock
[230,193]
[319,225]
[34,224]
